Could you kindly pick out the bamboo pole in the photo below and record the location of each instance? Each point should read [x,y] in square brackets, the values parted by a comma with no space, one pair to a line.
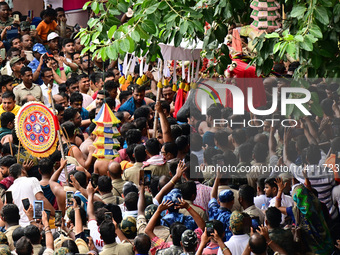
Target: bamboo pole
[155,122]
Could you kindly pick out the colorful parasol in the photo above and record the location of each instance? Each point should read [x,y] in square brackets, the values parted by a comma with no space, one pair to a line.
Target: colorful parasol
[265,14]
[106,131]
[36,127]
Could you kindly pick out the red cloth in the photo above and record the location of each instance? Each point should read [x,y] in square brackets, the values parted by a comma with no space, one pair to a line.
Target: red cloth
[94,96]
[73,5]
[180,97]
[247,78]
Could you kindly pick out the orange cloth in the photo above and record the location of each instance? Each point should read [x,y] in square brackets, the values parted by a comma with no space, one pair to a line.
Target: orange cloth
[125,85]
[125,164]
[236,43]
[44,29]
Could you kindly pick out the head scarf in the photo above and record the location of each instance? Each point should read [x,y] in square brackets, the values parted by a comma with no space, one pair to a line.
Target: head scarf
[309,217]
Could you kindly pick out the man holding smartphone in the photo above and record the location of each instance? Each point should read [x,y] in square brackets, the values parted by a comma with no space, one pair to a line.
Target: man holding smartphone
[26,187]
[10,215]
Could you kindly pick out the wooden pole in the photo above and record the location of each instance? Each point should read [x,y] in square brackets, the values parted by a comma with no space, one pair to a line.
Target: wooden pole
[155,122]
[58,131]
[18,156]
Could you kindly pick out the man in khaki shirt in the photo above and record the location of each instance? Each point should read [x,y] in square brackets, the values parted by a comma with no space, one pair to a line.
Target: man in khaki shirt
[115,171]
[105,191]
[27,87]
[132,173]
[246,196]
[107,231]
[10,215]
[189,192]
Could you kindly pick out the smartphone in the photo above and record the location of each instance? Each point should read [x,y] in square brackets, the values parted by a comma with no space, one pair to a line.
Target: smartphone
[77,27]
[69,196]
[16,17]
[87,233]
[32,27]
[30,14]
[3,53]
[9,198]
[48,212]
[38,207]
[94,180]
[26,203]
[147,177]
[108,216]
[57,218]
[210,228]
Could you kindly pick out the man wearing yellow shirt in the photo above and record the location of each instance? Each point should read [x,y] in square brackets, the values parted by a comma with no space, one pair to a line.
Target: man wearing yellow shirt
[8,103]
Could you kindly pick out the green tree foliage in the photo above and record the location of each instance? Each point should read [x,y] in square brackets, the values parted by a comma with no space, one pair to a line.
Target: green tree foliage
[164,21]
[310,32]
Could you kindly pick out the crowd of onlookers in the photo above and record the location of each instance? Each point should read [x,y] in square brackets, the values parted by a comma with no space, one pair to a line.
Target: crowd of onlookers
[151,199]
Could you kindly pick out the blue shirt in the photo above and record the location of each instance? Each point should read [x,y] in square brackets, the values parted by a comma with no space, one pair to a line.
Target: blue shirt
[34,66]
[222,214]
[129,106]
[173,217]
[84,114]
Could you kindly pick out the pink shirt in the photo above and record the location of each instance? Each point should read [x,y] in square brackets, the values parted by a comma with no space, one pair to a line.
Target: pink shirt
[203,195]
[212,248]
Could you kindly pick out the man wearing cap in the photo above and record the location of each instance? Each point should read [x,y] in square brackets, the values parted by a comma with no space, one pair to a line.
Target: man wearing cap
[36,64]
[53,40]
[238,242]
[16,64]
[11,53]
[189,242]
[27,45]
[27,87]
[221,209]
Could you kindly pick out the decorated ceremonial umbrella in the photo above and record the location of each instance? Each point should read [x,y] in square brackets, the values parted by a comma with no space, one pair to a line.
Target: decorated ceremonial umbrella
[106,131]
[265,14]
[36,127]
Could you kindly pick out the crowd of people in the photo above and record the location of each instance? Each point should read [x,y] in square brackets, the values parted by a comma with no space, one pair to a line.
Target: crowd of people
[161,194]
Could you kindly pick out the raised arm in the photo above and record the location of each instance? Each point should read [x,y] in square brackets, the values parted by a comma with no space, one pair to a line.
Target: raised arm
[171,184]
[278,198]
[153,221]
[90,208]
[37,71]
[263,230]
[48,234]
[166,131]
[272,142]
[307,133]
[214,191]
[286,138]
[197,218]
[78,224]
[141,200]
[56,188]
[313,132]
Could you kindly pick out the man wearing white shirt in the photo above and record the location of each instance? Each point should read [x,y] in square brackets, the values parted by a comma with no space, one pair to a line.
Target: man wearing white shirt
[26,187]
[84,87]
[271,189]
[238,242]
[47,77]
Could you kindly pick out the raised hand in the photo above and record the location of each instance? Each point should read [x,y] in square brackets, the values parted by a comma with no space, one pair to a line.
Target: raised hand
[165,205]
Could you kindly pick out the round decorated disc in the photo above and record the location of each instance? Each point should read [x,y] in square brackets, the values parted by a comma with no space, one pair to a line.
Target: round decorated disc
[36,129]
